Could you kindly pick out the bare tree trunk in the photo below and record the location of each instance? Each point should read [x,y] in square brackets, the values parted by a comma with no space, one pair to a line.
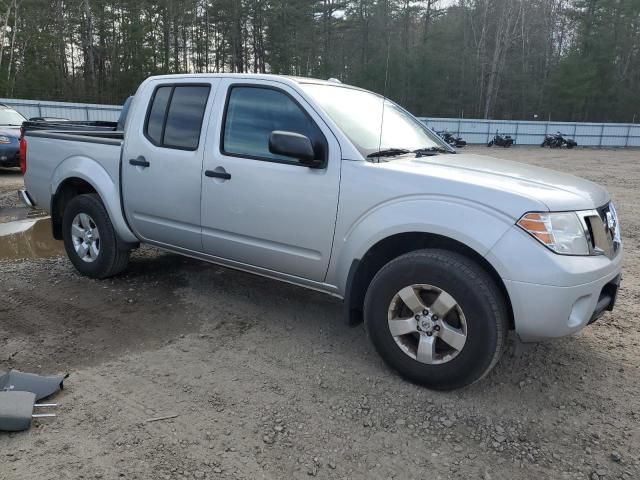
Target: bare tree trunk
[406,24]
[4,29]
[481,43]
[237,54]
[185,64]
[90,65]
[363,13]
[206,37]
[62,56]
[13,42]
[73,62]
[503,39]
[166,36]
[428,17]
[176,43]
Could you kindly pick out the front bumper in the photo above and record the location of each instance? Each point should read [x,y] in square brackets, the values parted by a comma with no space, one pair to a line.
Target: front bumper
[554,295]
[545,311]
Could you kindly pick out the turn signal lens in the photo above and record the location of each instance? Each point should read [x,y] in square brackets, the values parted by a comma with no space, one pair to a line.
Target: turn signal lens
[562,232]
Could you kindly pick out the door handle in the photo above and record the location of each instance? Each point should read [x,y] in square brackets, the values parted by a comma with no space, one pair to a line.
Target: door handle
[215,174]
[139,162]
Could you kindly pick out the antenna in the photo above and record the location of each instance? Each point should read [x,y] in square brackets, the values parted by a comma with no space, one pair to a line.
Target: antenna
[384,92]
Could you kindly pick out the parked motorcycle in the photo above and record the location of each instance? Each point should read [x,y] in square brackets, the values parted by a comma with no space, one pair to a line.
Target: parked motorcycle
[448,137]
[558,141]
[502,141]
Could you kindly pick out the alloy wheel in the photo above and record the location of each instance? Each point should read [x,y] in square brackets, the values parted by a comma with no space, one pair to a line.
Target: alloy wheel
[85,237]
[427,324]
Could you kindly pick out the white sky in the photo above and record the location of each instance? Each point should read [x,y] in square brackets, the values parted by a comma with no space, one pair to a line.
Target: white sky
[443,3]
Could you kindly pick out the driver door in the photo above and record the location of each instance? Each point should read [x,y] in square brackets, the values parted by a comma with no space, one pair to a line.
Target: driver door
[261,210]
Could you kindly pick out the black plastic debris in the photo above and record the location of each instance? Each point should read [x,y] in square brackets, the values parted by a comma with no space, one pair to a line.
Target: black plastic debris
[16,410]
[41,386]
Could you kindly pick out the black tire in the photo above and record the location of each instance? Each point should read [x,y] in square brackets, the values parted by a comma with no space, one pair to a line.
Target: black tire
[113,257]
[490,144]
[543,144]
[475,292]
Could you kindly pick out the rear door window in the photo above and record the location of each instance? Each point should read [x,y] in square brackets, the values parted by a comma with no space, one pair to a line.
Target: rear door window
[156,114]
[175,116]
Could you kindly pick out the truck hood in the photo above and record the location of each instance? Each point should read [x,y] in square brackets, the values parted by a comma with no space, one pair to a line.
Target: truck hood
[557,191]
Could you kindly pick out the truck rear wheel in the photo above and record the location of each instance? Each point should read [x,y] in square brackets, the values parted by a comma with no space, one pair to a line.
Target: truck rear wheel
[90,240]
[437,318]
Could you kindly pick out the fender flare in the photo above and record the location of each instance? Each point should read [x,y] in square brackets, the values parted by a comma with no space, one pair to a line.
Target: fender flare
[473,225]
[95,175]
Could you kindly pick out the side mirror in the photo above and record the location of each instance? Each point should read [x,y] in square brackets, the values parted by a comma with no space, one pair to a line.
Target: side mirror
[291,144]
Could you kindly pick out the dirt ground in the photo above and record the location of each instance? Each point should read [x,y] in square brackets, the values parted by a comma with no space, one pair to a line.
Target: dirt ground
[268,382]
[10,182]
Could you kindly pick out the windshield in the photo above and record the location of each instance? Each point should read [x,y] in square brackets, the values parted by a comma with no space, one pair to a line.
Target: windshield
[359,114]
[9,116]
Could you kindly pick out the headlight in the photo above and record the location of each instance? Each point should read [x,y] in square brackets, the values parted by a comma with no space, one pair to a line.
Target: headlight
[562,232]
[4,139]
[614,224]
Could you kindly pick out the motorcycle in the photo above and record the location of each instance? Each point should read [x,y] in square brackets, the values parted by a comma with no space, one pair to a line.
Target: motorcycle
[505,141]
[558,141]
[457,142]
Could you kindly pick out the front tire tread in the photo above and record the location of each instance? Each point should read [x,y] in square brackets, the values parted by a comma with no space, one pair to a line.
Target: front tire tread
[452,268]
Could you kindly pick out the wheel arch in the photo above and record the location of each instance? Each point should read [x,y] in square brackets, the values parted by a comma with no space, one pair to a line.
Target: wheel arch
[69,188]
[80,175]
[363,270]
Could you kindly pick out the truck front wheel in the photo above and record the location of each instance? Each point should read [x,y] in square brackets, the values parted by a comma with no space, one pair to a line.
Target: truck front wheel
[437,318]
[90,240]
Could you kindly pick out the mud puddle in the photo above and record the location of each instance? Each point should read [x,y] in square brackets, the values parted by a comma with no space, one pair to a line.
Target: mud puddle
[28,238]
[11,214]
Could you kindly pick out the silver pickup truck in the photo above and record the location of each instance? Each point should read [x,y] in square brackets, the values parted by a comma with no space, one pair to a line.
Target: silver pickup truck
[334,188]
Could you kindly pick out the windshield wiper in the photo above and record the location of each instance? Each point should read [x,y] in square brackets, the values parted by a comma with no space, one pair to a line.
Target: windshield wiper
[425,152]
[389,152]
[10,125]
[420,152]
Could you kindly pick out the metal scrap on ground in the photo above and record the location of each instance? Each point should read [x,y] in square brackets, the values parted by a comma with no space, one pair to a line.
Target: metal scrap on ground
[40,385]
[16,410]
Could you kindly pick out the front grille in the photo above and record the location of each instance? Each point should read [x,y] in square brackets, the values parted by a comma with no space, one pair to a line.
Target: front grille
[603,230]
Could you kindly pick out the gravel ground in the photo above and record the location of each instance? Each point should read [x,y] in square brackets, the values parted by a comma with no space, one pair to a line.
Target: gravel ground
[10,182]
[267,382]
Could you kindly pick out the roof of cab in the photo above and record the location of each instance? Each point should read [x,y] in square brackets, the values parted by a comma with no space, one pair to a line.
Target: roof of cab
[263,76]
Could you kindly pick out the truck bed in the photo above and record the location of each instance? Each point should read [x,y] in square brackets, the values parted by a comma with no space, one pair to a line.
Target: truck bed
[93,126]
[109,137]
[80,151]
[90,131]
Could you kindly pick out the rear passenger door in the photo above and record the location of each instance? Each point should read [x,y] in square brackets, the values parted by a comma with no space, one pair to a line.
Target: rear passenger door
[162,162]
